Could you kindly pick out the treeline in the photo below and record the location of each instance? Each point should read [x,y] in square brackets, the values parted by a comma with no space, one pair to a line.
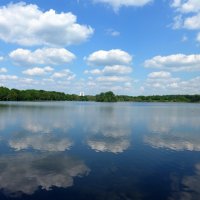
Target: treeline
[161,98]
[41,95]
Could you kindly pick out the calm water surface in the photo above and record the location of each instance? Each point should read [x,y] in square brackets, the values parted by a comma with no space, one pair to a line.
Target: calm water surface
[100,151]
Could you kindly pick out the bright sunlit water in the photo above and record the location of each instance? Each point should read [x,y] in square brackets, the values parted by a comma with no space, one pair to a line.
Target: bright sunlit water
[99,151]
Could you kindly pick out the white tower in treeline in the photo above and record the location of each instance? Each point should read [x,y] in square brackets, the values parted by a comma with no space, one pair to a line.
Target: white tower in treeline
[81,94]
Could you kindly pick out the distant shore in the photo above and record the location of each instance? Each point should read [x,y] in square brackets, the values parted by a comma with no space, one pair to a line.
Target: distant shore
[7,94]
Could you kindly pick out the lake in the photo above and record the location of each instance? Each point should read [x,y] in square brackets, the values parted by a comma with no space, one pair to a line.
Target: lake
[99,151]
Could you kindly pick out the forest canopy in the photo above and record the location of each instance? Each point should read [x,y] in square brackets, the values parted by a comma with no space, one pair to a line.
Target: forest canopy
[7,94]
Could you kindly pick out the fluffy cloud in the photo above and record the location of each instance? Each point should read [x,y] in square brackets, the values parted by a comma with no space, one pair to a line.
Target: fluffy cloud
[45,56]
[111,70]
[161,74]
[1,58]
[26,24]
[112,57]
[113,79]
[188,14]
[192,23]
[66,74]
[186,6]
[3,70]
[33,171]
[36,71]
[117,4]
[8,77]
[176,62]
[159,83]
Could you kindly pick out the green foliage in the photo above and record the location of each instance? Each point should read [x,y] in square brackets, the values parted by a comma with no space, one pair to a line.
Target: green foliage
[41,95]
[106,97]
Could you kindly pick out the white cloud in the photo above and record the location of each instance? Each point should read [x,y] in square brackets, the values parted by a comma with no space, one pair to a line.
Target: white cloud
[117,4]
[111,70]
[113,79]
[192,23]
[3,70]
[1,58]
[188,16]
[37,71]
[66,74]
[45,56]
[117,69]
[186,6]
[171,85]
[26,24]
[161,74]
[176,62]
[176,3]
[112,57]
[8,77]
[93,72]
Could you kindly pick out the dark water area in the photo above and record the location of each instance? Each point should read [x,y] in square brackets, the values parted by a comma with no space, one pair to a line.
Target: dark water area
[100,151]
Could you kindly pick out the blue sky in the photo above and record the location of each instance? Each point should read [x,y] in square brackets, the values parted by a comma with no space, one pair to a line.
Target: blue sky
[134,47]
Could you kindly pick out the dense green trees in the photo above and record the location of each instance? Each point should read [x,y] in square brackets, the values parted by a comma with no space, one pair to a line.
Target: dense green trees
[41,95]
[106,97]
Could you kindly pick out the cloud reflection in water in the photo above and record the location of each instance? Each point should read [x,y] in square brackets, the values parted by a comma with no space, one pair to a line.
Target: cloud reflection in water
[108,132]
[25,172]
[174,128]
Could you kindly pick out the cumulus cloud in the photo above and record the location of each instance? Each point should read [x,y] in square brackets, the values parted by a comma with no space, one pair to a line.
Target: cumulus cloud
[112,79]
[37,71]
[1,58]
[66,74]
[114,70]
[28,172]
[188,14]
[186,6]
[176,62]
[192,23]
[112,57]
[3,70]
[111,70]
[171,85]
[45,56]
[161,74]
[117,4]
[8,77]
[26,24]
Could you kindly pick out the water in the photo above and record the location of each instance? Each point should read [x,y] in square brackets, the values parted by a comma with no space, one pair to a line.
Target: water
[100,151]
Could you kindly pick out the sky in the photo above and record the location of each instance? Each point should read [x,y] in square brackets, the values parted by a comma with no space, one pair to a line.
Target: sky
[131,47]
